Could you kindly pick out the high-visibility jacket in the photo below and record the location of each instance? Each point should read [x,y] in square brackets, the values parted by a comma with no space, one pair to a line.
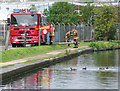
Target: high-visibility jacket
[75,34]
[52,32]
[67,36]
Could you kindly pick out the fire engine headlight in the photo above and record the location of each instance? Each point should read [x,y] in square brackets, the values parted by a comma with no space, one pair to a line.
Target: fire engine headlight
[16,40]
[44,31]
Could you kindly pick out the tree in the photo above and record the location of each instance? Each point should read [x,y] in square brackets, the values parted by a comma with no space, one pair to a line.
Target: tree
[104,22]
[63,12]
[87,14]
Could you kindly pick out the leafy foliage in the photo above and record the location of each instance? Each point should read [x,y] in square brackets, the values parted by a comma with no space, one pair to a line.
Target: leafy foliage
[63,12]
[87,14]
[104,22]
[104,44]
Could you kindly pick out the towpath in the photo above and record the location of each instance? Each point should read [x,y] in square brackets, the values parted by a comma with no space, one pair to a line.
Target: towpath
[38,56]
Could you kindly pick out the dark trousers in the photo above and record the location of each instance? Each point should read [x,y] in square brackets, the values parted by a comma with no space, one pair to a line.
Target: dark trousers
[76,43]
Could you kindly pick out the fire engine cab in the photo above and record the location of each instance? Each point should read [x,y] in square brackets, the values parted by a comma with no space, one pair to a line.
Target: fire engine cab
[26,24]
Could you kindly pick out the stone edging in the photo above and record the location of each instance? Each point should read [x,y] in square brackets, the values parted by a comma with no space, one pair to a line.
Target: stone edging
[106,49]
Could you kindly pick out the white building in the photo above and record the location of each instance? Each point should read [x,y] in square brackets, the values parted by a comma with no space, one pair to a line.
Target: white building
[7,8]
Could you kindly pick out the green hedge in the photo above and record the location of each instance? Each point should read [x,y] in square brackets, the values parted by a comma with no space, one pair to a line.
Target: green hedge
[104,44]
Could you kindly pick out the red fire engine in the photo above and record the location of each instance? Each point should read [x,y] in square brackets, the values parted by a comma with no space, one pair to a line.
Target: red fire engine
[28,23]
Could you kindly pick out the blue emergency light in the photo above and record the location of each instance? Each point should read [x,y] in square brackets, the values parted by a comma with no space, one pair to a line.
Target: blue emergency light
[33,10]
[16,11]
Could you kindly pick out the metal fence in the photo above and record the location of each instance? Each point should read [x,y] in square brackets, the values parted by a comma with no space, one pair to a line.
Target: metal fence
[3,29]
[84,32]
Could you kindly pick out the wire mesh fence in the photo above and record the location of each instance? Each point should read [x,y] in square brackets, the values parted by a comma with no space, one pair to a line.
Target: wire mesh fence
[3,33]
[84,32]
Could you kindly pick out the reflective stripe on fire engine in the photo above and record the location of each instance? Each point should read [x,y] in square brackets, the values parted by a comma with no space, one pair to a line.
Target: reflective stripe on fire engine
[44,27]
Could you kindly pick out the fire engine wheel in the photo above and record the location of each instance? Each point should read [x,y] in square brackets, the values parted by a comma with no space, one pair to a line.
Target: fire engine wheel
[36,44]
[13,45]
[18,45]
[22,45]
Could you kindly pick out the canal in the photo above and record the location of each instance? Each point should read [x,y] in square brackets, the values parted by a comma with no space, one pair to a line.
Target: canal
[60,76]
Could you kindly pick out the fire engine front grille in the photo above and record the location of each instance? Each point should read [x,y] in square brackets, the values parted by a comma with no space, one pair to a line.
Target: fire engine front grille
[23,38]
[23,32]
[24,28]
[20,37]
[28,38]
[23,41]
[28,32]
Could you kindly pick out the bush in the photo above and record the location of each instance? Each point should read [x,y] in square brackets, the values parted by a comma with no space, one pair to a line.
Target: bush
[104,44]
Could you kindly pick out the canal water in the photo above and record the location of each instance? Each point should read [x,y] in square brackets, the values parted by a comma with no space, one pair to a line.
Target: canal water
[60,76]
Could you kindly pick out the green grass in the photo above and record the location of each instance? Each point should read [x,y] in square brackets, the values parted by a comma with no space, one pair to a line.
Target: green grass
[54,56]
[104,44]
[84,44]
[14,54]
[7,66]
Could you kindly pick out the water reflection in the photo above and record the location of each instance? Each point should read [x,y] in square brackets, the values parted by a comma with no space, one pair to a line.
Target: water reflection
[60,76]
[107,58]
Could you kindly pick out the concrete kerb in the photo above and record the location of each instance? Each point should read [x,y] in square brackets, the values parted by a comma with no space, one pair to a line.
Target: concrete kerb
[106,49]
[24,68]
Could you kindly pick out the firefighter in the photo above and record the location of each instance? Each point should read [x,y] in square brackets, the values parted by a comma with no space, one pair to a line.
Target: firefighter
[75,37]
[67,37]
[52,34]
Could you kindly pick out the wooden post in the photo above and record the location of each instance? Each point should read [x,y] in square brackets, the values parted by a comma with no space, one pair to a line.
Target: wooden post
[83,32]
[39,36]
[73,25]
[4,31]
[69,26]
[7,40]
[64,29]
[59,31]
[79,32]
[92,35]
[118,34]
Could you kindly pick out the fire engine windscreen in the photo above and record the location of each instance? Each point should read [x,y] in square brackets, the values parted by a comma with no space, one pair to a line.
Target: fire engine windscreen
[44,19]
[24,20]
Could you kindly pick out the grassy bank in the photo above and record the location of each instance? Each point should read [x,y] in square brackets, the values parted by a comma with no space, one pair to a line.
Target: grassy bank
[58,55]
[54,56]
[104,44]
[14,54]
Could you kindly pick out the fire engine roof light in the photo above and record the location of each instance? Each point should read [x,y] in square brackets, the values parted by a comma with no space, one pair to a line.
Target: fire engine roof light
[33,10]
[16,11]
